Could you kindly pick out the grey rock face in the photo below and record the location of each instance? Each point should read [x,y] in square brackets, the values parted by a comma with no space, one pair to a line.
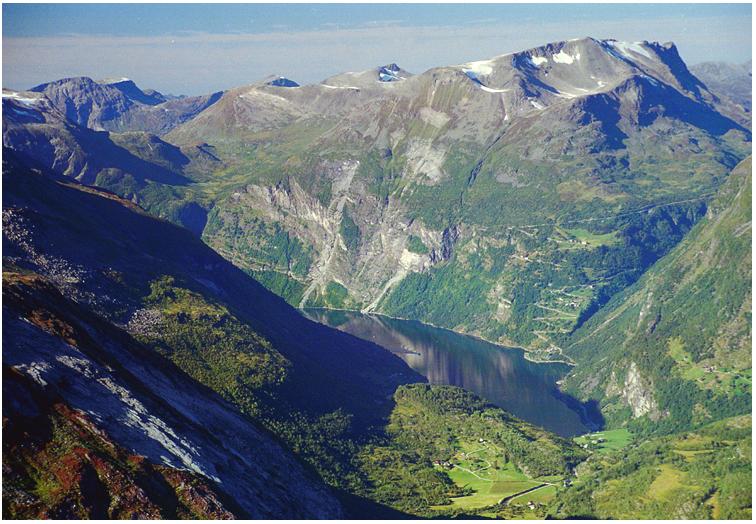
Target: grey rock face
[119,105]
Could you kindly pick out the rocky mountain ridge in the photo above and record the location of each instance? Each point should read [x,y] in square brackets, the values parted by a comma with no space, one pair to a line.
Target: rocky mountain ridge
[119,105]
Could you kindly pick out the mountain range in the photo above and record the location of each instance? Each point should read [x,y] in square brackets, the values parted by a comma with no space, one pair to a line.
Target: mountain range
[587,200]
[733,81]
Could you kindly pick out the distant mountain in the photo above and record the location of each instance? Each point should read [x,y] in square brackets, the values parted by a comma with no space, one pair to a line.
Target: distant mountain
[131,91]
[119,105]
[674,350]
[35,128]
[733,81]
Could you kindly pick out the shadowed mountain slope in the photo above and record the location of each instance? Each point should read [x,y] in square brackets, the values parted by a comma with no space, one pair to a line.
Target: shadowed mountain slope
[143,288]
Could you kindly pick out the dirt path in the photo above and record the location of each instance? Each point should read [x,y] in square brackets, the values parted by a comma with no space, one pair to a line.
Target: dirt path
[472,473]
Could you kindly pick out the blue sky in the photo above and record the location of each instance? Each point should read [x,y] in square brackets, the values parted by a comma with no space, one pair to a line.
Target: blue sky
[195,48]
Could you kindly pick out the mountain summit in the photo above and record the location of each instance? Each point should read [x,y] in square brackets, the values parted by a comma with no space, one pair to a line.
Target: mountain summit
[119,104]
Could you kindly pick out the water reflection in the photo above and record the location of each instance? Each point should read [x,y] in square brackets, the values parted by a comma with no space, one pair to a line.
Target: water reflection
[501,375]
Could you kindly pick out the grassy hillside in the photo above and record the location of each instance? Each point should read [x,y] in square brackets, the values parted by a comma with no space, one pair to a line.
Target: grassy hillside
[674,350]
[448,452]
[702,474]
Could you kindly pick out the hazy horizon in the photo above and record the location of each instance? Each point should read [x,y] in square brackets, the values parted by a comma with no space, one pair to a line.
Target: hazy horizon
[197,48]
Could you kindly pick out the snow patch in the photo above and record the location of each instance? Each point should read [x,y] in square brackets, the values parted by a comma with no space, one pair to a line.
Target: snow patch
[538,60]
[492,90]
[652,80]
[600,83]
[537,105]
[630,48]
[389,73]
[481,67]
[564,94]
[472,75]
[24,112]
[256,94]
[563,58]
[341,87]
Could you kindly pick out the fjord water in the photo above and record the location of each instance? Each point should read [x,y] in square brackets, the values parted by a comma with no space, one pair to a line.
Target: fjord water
[501,375]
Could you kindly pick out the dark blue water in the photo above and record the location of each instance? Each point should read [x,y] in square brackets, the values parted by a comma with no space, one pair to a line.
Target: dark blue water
[501,375]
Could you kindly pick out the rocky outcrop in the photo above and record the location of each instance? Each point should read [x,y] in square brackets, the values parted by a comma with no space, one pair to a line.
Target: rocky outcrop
[639,395]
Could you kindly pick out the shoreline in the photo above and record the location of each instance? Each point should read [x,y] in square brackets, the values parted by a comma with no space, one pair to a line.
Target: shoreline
[527,352]
[582,411]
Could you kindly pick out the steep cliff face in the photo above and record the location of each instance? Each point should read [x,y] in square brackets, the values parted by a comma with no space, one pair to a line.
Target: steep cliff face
[674,349]
[351,239]
[639,395]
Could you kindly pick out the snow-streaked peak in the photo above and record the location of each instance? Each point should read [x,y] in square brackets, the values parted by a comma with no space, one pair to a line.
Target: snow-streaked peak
[26,98]
[390,73]
[628,49]
[109,81]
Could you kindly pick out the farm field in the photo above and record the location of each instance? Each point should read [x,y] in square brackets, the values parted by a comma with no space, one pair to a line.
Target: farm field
[649,479]
[481,468]
[605,441]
